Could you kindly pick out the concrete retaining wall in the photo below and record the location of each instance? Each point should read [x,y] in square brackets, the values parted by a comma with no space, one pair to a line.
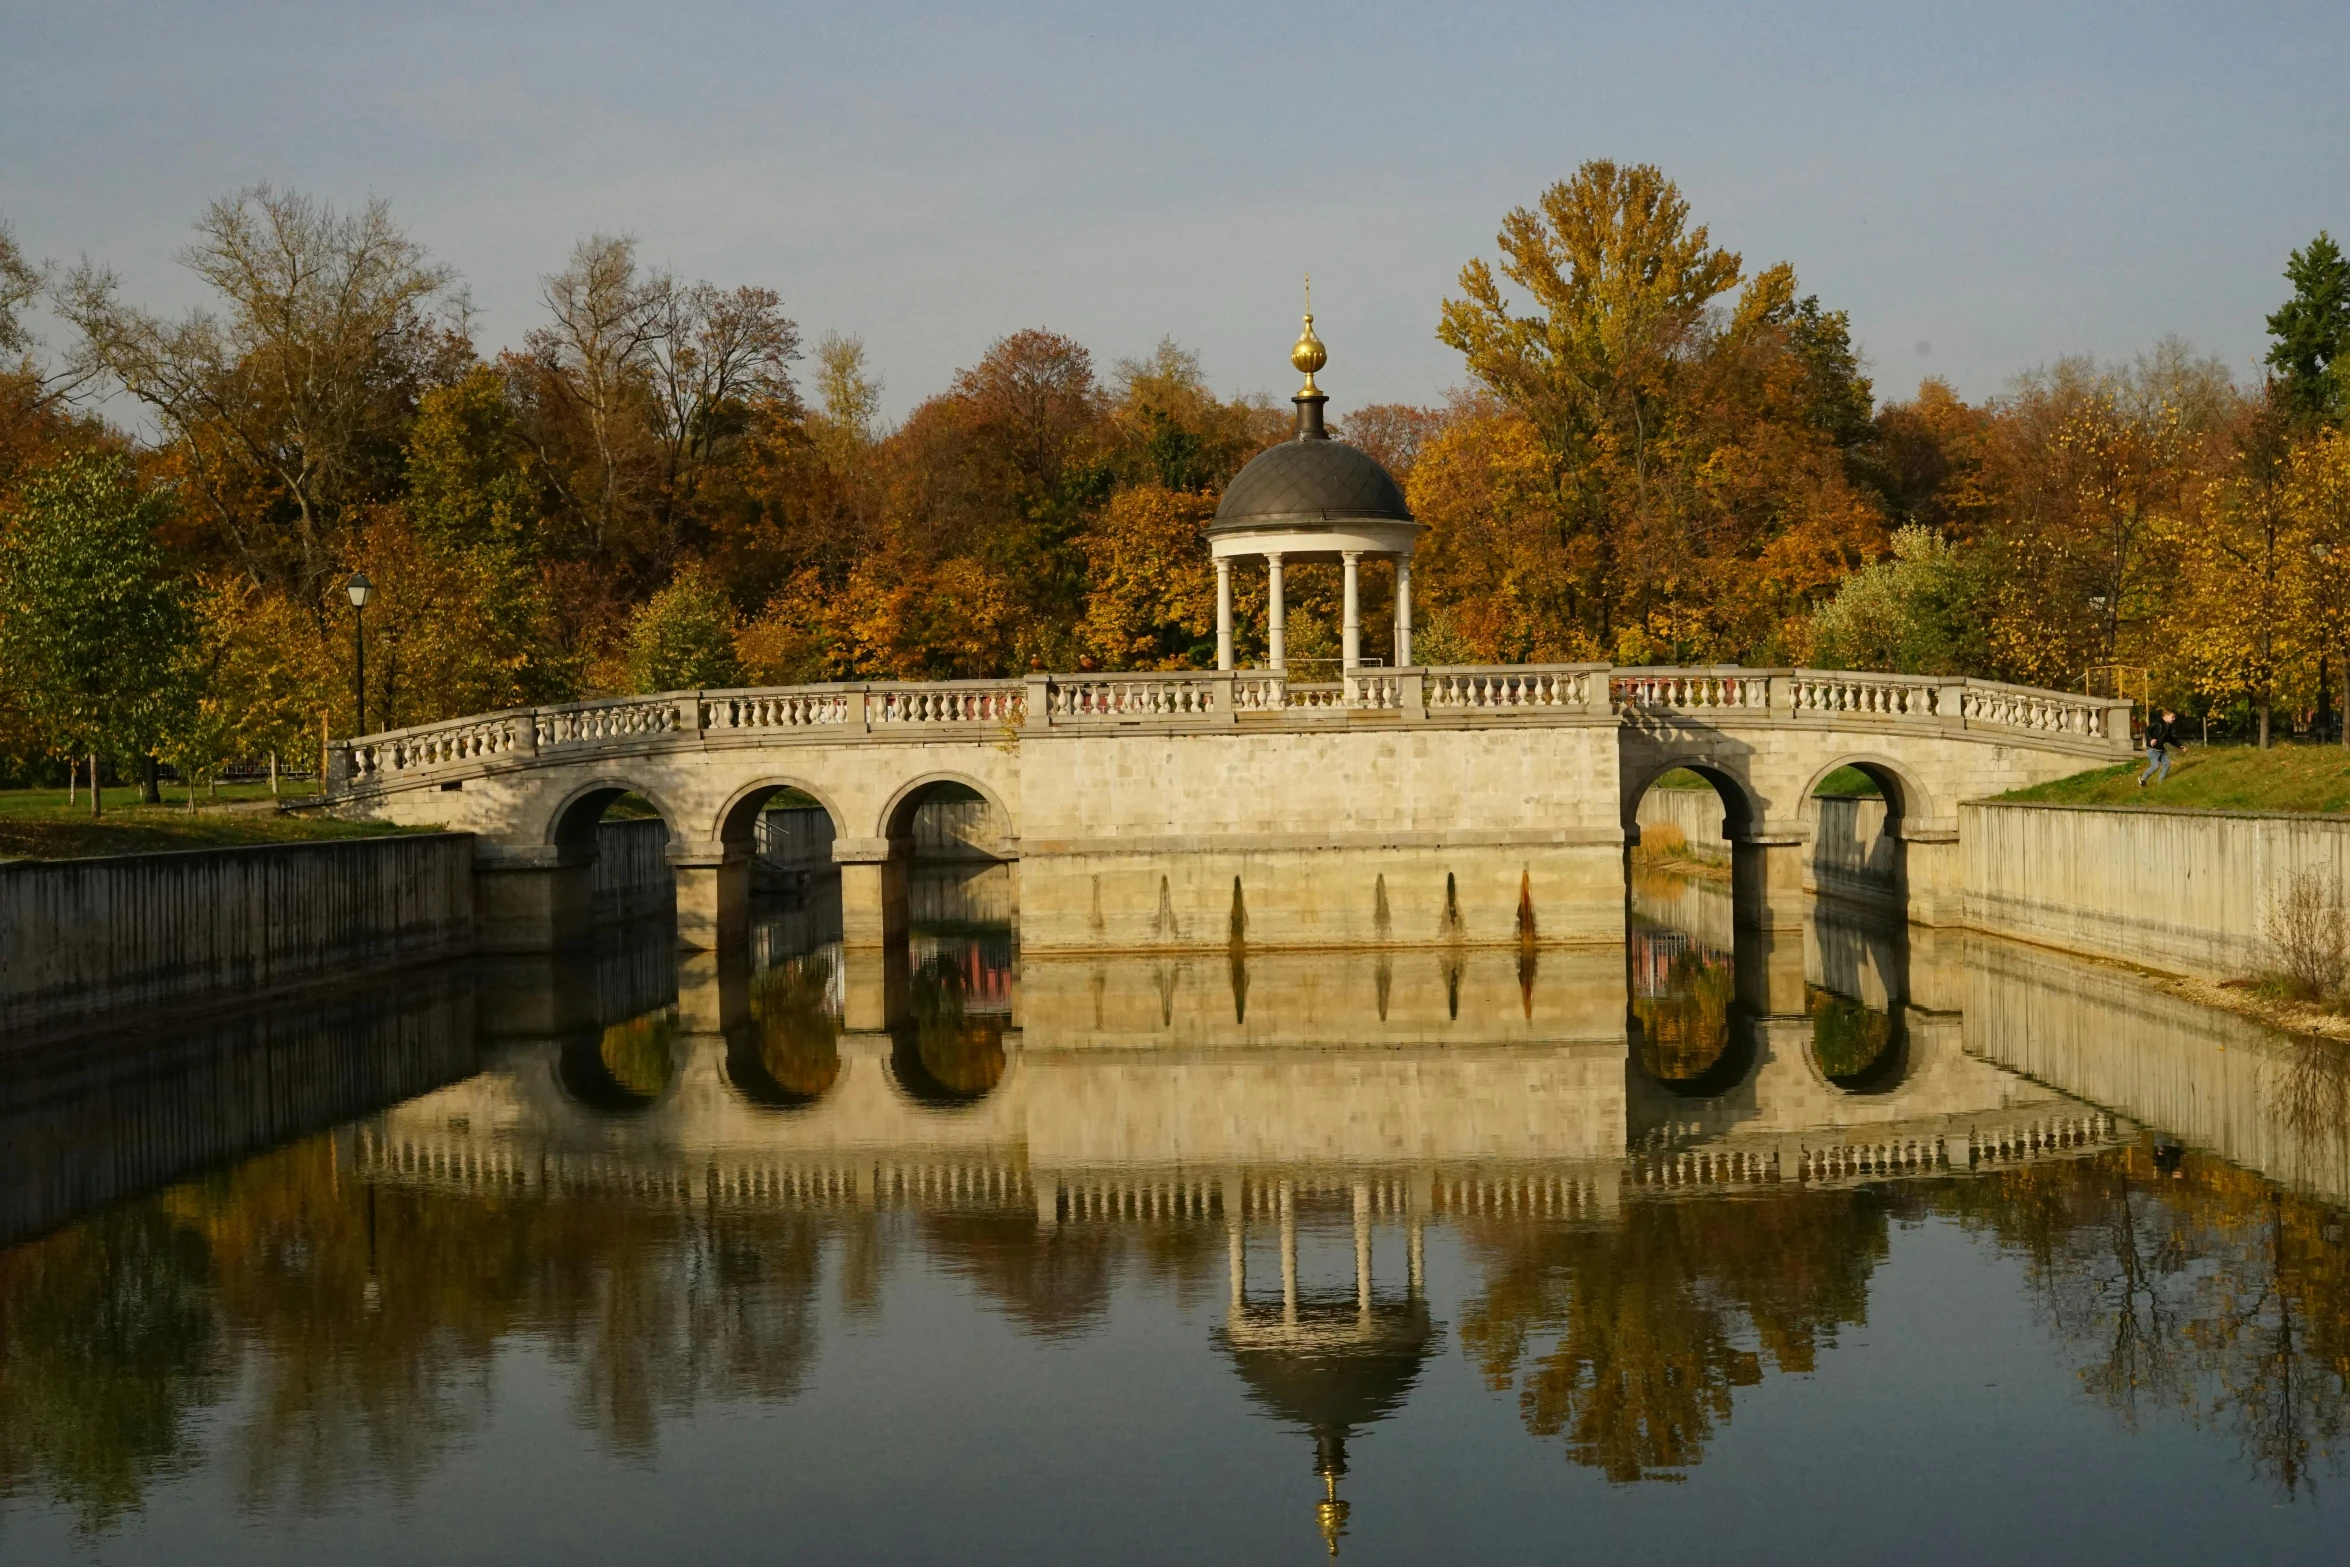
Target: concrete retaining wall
[83,937]
[633,878]
[2185,892]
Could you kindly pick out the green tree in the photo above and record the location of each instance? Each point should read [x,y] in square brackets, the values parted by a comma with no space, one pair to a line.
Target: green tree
[2312,329]
[94,630]
[1918,613]
[683,637]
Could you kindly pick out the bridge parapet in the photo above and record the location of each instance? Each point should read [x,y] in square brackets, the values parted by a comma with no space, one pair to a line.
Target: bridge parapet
[1445,696]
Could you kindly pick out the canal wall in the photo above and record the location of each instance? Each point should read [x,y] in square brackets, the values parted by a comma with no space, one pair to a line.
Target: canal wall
[80,938]
[2187,892]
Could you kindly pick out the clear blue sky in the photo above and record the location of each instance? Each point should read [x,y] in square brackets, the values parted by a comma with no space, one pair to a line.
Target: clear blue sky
[1983,187]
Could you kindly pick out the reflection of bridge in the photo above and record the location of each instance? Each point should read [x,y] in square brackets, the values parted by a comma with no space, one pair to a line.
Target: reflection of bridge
[1178,810]
[1134,1091]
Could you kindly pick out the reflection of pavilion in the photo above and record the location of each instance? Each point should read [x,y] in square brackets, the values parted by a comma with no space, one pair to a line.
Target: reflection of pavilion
[1330,1364]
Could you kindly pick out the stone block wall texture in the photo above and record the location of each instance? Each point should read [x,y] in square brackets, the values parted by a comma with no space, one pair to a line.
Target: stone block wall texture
[2184,892]
[80,938]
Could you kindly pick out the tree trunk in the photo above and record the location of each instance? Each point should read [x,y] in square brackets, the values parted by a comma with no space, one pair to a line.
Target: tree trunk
[73,782]
[273,774]
[2264,724]
[97,804]
[150,786]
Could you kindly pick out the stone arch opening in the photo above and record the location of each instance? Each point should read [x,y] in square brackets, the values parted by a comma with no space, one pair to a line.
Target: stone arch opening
[1673,813]
[952,841]
[1857,807]
[786,827]
[619,835]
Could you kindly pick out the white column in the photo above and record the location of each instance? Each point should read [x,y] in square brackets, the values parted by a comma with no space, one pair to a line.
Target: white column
[1224,612]
[1288,1201]
[1276,621]
[1236,1256]
[1352,652]
[1362,1195]
[1403,611]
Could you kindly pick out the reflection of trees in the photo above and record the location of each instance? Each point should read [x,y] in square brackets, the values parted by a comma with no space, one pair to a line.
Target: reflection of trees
[946,1051]
[637,1052]
[109,1345]
[2189,1285]
[1652,1322]
[1683,1015]
[1848,1037]
[1057,1281]
[359,1322]
[798,1036]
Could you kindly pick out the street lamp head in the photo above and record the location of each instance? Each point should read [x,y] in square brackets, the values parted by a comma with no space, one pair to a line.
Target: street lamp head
[2321,550]
[359,587]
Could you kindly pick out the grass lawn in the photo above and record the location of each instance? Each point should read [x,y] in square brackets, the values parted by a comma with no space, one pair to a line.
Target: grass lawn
[2311,778]
[38,824]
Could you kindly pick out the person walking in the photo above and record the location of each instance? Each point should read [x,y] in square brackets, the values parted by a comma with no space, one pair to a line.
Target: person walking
[2161,735]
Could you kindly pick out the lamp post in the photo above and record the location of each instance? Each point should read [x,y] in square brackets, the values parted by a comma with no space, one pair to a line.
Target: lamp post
[359,588]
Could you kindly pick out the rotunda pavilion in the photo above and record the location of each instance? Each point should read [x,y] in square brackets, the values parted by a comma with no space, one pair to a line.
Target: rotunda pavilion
[1313,499]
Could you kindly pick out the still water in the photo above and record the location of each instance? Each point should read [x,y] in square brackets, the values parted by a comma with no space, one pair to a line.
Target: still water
[1847,1244]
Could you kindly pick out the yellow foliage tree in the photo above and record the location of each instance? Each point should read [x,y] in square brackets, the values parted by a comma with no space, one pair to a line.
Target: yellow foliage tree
[1151,602]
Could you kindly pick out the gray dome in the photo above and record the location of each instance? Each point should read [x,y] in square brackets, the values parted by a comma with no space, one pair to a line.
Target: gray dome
[1311,480]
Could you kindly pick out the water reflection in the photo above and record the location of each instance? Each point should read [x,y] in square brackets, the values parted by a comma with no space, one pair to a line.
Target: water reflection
[1655,1177]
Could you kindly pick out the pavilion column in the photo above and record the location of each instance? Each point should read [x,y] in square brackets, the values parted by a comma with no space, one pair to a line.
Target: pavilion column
[1352,650]
[1288,1200]
[1362,1196]
[1277,620]
[1224,612]
[1403,612]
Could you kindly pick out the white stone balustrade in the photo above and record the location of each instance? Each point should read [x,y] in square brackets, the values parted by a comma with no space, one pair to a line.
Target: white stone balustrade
[883,711]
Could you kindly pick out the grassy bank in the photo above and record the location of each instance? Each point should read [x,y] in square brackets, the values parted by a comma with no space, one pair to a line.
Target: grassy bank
[38,824]
[2304,778]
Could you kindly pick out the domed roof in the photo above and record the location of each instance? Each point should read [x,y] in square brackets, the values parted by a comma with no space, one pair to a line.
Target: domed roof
[1311,479]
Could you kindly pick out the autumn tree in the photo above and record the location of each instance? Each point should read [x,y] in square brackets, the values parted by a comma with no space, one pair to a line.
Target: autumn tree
[1697,461]
[285,409]
[1151,591]
[683,637]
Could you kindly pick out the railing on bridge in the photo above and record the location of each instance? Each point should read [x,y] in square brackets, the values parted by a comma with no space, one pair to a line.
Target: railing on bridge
[1206,699]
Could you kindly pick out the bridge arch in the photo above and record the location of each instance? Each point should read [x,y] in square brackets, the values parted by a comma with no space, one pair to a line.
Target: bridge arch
[1906,799]
[572,823]
[897,817]
[738,818]
[1741,809]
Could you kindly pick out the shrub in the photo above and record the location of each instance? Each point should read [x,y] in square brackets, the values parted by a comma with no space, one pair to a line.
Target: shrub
[2308,939]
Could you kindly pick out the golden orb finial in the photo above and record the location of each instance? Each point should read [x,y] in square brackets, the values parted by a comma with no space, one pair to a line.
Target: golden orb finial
[1309,355]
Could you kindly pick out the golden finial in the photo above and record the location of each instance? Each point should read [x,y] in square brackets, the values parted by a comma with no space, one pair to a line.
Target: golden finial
[1330,1512]
[1309,355]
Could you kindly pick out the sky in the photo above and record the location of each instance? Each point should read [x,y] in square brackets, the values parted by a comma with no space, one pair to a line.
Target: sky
[1984,188]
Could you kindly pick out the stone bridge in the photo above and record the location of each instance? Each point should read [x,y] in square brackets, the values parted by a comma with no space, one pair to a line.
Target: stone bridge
[1198,809]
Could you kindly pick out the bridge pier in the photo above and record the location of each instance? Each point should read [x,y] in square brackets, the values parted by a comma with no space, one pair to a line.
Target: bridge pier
[1933,872]
[1766,877]
[872,891]
[713,893]
[533,898]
